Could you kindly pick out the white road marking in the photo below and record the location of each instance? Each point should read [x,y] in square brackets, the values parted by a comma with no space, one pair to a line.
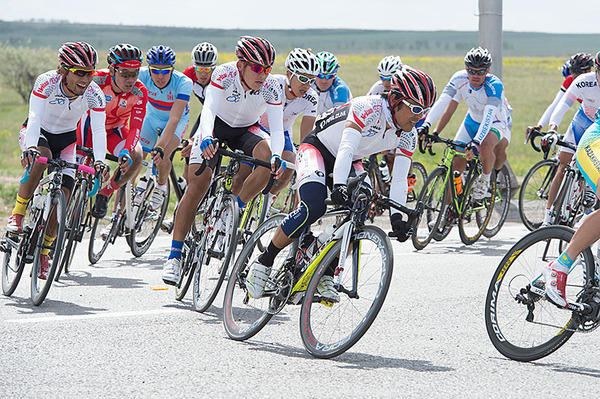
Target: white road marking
[98,316]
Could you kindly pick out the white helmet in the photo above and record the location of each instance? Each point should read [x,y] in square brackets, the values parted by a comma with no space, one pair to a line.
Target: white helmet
[389,65]
[302,61]
[205,54]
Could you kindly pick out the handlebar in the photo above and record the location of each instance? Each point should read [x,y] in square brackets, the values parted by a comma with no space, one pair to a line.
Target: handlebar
[537,133]
[62,164]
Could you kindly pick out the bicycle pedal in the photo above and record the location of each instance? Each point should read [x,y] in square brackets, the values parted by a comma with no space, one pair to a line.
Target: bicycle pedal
[327,302]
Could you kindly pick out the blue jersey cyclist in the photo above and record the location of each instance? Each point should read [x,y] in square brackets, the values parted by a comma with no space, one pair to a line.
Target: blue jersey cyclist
[167,113]
[332,90]
[487,126]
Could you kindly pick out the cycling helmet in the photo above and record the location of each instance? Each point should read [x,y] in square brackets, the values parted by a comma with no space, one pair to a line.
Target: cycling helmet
[205,54]
[389,65]
[478,57]
[160,55]
[410,83]
[302,61]
[124,55]
[566,68]
[77,54]
[582,62]
[329,63]
[255,50]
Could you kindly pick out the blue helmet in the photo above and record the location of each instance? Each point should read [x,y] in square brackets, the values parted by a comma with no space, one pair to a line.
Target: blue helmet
[566,68]
[160,55]
[328,62]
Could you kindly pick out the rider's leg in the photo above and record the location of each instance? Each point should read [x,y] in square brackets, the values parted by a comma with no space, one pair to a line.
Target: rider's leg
[564,158]
[257,180]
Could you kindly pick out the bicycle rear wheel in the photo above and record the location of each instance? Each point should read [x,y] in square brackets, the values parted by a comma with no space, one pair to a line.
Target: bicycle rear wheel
[13,263]
[475,213]
[533,196]
[329,328]
[39,287]
[217,248]
[74,217]
[189,257]
[104,230]
[432,196]
[521,323]
[501,203]
[421,177]
[147,223]
[244,316]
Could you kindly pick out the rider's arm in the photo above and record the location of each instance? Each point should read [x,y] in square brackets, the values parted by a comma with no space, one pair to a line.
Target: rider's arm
[275,116]
[546,116]
[97,124]
[214,95]
[572,94]
[136,119]
[306,126]
[343,93]
[348,145]
[37,107]
[440,105]
[399,187]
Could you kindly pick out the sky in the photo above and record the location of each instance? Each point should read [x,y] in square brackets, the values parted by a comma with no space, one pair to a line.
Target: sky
[550,16]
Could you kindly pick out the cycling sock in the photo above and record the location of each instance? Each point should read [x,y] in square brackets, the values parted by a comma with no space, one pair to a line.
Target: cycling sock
[241,203]
[548,217]
[176,247]
[485,177]
[268,257]
[563,263]
[20,206]
[162,187]
[47,243]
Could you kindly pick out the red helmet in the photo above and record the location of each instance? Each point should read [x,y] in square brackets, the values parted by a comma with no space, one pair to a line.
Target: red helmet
[77,54]
[410,83]
[256,50]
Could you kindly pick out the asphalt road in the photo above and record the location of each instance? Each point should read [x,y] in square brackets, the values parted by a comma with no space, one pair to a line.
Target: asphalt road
[104,331]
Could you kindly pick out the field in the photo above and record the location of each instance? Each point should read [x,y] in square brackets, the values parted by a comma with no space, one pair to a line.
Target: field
[531,84]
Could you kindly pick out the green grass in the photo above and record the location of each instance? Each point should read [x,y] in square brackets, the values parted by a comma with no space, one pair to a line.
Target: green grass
[531,84]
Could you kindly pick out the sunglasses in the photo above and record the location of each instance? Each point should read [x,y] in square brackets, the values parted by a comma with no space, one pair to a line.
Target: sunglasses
[259,68]
[416,109]
[385,78]
[326,76]
[305,79]
[128,74]
[160,71]
[480,72]
[203,69]
[81,72]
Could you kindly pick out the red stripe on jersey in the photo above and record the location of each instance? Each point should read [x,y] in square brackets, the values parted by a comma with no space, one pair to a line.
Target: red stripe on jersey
[98,109]
[405,152]
[358,121]
[216,85]
[39,95]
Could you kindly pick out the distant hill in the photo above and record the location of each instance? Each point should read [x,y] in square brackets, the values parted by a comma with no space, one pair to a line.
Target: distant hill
[340,41]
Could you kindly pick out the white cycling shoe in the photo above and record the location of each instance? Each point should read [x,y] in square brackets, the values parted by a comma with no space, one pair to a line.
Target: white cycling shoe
[257,278]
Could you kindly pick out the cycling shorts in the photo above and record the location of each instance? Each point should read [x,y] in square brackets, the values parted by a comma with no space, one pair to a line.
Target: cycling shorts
[576,129]
[288,144]
[153,127]
[237,138]
[468,130]
[588,154]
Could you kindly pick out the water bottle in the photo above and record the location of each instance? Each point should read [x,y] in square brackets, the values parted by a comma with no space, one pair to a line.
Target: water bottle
[458,182]
[139,190]
[325,234]
[385,172]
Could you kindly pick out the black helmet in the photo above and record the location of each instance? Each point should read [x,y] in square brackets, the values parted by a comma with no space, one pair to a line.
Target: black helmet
[126,54]
[478,57]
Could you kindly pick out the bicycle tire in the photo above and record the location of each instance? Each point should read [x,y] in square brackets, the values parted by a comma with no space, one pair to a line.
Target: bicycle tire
[243,316]
[421,175]
[432,196]
[533,196]
[98,245]
[74,215]
[147,221]
[330,330]
[506,320]
[569,214]
[188,265]
[40,291]
[12,267]
[476,213]
[220,233]
[501,204]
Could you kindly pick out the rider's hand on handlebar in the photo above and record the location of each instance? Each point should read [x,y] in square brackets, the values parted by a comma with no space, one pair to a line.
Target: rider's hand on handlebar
[472,150]
[29,156]
[423,130]
[339,195]
[103,169]
[157,154]
[207,148]
[549,141]
[124,161]
[187,150]
[278,166]
[531,129]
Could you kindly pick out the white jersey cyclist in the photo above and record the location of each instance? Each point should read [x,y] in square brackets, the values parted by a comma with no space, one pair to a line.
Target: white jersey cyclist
[377,88]
[584,87]
[51,110]
[292,109]
[227,100]
[487,107]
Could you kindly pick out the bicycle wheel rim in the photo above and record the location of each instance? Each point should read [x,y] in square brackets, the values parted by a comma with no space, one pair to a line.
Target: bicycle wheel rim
[475,214]
[147,224]
[432,196]
[506,320]
[12,266]
[533,196]
[501,204]
[72,225]
[106,225]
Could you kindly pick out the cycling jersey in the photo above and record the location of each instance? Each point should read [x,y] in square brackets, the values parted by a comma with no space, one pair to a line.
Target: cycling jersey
[584,87]
[197,89]
[338,94]
[53,111]
[486,105]
[563,88]
[124,114]
[588,154]
[377,88]
[227,99]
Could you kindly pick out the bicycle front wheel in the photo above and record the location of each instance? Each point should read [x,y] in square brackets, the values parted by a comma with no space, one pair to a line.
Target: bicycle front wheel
[39,287]
[521,323]
[501,203]
[421,176]
[329,328]
[104,230]
[244,316]
[475,214]
[533,196]
[432,196]
[73,229]
[147,223]
[13,263]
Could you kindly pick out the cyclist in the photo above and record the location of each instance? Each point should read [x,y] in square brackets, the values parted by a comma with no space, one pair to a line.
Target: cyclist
[588,161]
[584,87]
[239,93]
[386,69]
[342,137]
[332,90]
[486,129]
[57,102]
[167,113]
[126,99]
[302,69]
